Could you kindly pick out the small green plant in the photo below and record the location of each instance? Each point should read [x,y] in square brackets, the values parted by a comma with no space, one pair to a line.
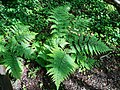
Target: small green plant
[71,45]
[16,45]
[61,65]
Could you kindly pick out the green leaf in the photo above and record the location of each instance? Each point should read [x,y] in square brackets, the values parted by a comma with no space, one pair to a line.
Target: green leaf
[61,66]
[13,65]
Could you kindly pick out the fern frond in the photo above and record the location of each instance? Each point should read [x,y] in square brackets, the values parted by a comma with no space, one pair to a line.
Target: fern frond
[16,42]
[74,32]
[89,45]
[2,43]
[97,46]
[62,65]
[21,32]
[20,39]
[13,64]
[84,42]
[61,17]
[84,62]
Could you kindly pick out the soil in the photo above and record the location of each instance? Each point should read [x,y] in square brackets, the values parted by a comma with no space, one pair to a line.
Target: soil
[104,77]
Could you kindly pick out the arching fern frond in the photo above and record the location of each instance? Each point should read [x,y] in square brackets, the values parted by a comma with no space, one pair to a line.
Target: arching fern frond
[13,65]
[16,42]
[20,39]
[75,34]
[96,45]
[61,17]
[83,41]
[89,45]
[75,31]
[62,65]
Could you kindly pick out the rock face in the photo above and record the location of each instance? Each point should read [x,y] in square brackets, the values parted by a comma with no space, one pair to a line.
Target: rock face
[5,83]
[2,70]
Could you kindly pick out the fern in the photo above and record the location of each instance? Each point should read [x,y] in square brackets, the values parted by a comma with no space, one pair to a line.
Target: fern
[61,20]
[16,42]
[75,31]
[84,42]
[21,41]
[77,43]
[89,45]
[84,62]
[61,66]
[2,43]
[13,65]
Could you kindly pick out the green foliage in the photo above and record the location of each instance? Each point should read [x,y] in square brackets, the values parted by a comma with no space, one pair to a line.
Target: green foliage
[61,20]
[60,35]
[13,64]
[61,66]
[74,33]
[15,43]
[21,40]
[89,45]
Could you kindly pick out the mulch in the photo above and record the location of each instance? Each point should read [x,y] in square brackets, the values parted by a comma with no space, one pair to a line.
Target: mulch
[104,77]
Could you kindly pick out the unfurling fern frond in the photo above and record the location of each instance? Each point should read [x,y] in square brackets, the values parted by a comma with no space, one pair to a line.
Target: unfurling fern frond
[62,65]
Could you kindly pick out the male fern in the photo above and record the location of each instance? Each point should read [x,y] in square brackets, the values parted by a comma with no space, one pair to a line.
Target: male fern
[62,65]
[74,32]
[15,44]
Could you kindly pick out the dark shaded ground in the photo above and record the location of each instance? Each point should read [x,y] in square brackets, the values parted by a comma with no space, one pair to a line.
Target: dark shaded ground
[104,77]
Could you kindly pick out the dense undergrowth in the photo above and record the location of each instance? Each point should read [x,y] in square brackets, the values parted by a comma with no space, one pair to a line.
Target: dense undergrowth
[60,35]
